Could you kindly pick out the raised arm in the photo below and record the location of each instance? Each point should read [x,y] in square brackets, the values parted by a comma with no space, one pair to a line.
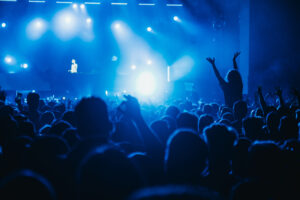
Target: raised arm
[217,73]
[152,144]
[235,66]
[279,94]
[262,101]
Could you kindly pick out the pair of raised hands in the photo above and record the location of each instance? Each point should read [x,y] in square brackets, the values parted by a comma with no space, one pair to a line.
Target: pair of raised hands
[212,60]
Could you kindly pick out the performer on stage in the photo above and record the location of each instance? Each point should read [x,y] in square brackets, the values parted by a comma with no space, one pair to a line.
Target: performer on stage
[74,67]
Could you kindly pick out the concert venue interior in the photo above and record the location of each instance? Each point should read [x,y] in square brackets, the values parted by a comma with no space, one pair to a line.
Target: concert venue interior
[172,56]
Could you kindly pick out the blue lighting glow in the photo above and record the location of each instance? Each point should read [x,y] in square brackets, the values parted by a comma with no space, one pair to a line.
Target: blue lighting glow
[3,25]
[146,84]
[36,28]
[8,59]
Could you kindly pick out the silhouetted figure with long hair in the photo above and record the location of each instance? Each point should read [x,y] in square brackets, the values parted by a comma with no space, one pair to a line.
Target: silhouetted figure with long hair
[233,87]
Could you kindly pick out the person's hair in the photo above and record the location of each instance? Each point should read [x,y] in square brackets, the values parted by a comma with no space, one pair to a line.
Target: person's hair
[172,111]
[204,121]
[186,157]
[92,117]
[253,128]
[26,184]
[220,139]
[264,160]
[33,100]
[187,120]
[240,110]
[106,173]
[234,77]
[171,192]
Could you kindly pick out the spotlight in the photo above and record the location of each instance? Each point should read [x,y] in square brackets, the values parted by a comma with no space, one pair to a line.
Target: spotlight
[176,19]
[133,67]
[3,25]
[88,20]
[25,65]
[106,93]
[82,6]
[149,62]
[8,60]
[146,84]
[114,58]
[149,29]
[75,6]
[117,26]
[36,28]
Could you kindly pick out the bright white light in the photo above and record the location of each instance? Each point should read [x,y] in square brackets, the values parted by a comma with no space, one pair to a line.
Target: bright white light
[175,18]
[117,26]
[114,58]
[88,20]
[25,65]
[133,67]
[149,62]
[3,25]
[82,6]
[149,29]
[75,6]
[146,84]
[36,28]
[106,93]
[8,59]
[66,25]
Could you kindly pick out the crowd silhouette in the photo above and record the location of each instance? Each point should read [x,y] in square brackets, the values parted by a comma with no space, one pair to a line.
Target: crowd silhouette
[98,149]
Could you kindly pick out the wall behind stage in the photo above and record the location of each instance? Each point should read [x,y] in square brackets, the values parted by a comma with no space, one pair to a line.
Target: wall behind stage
[274,44]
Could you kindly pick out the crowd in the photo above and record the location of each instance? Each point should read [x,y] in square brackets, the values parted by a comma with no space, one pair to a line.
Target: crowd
[98,149]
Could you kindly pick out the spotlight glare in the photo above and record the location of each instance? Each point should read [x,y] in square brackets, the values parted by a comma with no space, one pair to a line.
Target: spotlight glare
[114,58]
[75,5]
[8,60]
[117,26]
[146,84]
[149,62]
[36,28]
[3,25]
[149,29]
[88,20]
[82,6]
[133,67]
[25,65]
[176,19]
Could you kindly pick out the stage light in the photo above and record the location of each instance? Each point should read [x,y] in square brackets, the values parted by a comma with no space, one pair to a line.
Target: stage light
[149,62]
[82,6]
[36,28]
[133,67]
[146,84]
[106,93]
[175,18]
[88,20]
[25,65]
[3,25]
[117,26]
[8,59]
[75,6]
[66,25]
[149,29]
[114,58]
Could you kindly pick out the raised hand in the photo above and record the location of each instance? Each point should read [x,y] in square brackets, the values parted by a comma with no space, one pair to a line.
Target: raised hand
[211,60]
[236,55]
[259,90]
[278,92]
[235,66]
[133,109]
